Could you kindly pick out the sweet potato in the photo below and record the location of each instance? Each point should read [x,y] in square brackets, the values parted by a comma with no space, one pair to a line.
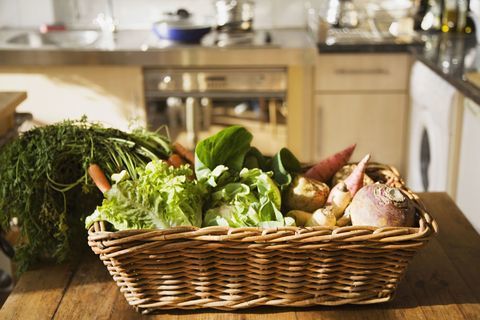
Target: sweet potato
[325,169]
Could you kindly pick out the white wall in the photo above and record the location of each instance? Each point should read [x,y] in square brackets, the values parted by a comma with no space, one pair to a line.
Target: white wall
[139,14]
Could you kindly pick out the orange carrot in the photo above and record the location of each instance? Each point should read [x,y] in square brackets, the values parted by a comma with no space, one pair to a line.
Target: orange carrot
[354,181]
[98,177]
[175,160]
[325,169]
[184,152]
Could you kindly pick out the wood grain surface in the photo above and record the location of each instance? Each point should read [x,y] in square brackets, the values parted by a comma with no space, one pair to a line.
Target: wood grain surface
[441,283]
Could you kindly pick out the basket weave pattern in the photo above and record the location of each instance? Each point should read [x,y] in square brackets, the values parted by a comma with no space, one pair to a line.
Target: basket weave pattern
[233,268]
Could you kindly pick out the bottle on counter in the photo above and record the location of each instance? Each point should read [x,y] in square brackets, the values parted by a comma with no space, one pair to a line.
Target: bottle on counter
[454,16]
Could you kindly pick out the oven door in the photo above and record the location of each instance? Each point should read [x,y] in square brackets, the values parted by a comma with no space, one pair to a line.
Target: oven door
[190,119]
[194,104]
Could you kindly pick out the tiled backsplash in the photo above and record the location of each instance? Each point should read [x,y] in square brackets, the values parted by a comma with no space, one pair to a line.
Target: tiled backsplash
[139,14]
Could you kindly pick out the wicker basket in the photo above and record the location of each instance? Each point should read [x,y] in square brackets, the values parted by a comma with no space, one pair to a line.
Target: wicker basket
[233,268]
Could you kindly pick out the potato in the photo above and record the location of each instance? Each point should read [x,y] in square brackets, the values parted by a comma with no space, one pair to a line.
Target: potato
[306,194]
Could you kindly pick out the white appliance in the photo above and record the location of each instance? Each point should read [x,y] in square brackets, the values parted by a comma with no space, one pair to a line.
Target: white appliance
[469,169]
[431,130]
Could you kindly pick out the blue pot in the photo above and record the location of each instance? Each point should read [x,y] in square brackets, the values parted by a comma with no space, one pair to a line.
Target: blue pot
[180,31]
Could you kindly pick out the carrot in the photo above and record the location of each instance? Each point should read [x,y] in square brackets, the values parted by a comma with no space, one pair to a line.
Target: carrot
[325,169]
[184,153]
[98,177]
[175,160]
[354,181]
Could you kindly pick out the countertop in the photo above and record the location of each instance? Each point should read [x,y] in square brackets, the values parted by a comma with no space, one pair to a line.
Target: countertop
[142,48]
[454,58]
[441,282]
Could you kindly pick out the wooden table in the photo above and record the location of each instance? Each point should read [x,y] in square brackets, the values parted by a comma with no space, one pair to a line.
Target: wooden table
[442,282]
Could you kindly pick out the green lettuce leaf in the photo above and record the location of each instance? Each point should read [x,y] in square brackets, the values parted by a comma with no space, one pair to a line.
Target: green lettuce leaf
[161,197]
[254,200]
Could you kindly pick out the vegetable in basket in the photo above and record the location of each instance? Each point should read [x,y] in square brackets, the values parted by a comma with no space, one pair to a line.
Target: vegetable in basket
[161,197]
[381,206]
[44,183]
[252,200]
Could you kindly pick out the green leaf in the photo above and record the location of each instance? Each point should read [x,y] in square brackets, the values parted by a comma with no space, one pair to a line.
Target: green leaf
[228,147]
[283,164]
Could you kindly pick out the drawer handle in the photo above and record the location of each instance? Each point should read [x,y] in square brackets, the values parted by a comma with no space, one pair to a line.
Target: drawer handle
[361,71]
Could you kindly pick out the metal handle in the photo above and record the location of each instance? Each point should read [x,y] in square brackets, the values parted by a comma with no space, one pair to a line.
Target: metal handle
[361,71]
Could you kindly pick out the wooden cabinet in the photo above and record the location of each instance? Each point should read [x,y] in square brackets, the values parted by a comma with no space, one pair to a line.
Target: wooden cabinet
[376,122]
[363,99]
[110,94]
[362,72]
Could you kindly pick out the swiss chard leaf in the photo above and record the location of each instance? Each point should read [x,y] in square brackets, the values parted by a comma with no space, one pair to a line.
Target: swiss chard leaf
[228,147]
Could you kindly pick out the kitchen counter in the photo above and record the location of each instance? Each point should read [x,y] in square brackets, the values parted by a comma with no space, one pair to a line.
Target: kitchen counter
[142,48]
[441,283]
[454,58]
[9,101]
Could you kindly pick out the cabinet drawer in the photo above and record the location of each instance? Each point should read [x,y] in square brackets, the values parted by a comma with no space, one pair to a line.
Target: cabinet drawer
[376,122]
[361,72]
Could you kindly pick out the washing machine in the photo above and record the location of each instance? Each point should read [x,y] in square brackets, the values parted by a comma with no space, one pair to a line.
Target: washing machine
[431,130]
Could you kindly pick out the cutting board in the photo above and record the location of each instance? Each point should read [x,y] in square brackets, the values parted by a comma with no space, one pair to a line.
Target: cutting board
[8,103]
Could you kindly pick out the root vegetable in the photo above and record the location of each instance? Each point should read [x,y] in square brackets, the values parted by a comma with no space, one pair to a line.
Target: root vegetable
[175,160]
[306,194]
[325,169]
[355,180]
[381,206]
[322,217]
[341,198]
[345,219]
[345,171]
[301,217]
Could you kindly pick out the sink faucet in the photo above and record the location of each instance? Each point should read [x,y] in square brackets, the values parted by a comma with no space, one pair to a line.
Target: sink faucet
[105,20]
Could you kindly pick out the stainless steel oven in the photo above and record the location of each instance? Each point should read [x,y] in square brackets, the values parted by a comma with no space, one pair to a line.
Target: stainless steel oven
[194,103]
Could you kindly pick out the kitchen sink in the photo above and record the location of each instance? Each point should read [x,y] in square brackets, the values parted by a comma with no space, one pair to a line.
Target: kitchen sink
[64,39]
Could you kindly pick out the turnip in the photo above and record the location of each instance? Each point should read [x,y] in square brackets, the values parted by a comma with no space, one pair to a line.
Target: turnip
[354,181]
[301,217]
[306,194]
[322,217]
[381,206]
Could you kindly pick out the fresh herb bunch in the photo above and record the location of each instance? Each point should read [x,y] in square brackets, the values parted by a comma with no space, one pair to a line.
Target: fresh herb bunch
[45,185]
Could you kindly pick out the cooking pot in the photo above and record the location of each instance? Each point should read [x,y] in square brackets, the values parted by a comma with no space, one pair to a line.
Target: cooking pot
[180,27]
[234,15]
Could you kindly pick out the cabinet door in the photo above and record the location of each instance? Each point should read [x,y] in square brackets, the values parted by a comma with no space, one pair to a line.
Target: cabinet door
[376,122]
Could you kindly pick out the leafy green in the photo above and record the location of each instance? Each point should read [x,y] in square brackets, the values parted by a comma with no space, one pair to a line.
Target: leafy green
[161,197]
[283,164]
[228,147]
[253,200]
[255,159]
[44,182]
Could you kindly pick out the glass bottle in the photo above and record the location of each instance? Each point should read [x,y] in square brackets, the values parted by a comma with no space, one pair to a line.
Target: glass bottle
[449,16]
